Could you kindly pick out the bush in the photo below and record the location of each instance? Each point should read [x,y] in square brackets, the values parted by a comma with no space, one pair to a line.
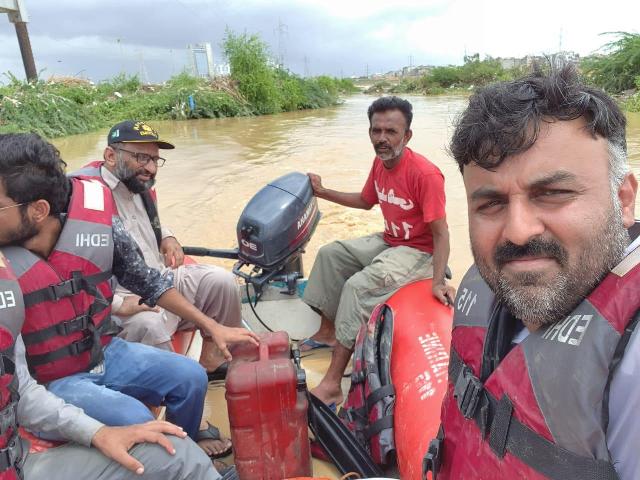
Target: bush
[617,70]
[249,61]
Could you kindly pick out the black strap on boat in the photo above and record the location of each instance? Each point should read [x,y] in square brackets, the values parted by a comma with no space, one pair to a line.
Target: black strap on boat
[377,426]
[508,434]
[378,394]
[152,212]
[432,459]
[76,284]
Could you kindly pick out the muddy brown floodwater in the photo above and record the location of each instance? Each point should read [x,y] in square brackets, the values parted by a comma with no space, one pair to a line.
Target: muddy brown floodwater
[219,164]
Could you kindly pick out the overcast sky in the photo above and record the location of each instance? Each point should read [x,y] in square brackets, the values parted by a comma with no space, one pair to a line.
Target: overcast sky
[100,38]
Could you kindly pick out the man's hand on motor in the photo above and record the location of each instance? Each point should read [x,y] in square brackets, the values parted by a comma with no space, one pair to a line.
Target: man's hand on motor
[316,184]
[115,442]
[131,305]
[443,292]
[172,252]
[224,337]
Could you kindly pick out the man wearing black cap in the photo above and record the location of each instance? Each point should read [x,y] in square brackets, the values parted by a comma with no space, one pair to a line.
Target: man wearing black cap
[131,162]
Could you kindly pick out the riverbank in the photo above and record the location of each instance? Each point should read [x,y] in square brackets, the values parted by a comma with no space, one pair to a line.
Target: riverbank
[66,106]
[615,68]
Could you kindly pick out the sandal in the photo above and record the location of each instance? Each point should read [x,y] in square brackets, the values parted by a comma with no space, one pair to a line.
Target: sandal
[311,344]
[213,433]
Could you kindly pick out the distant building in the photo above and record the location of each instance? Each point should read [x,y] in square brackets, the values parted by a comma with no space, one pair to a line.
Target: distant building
[223,69]
[201,60]
[417,71]
[528,60]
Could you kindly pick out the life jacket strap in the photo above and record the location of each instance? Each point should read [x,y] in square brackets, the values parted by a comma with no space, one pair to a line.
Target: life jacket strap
[8,417]
[152,213]
[73,349]
[508,434]
[8,414]
[68,288]
[63,329]
[7,365]
[11,455]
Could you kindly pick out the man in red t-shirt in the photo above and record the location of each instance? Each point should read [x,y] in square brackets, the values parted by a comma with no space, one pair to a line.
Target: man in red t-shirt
[349,278]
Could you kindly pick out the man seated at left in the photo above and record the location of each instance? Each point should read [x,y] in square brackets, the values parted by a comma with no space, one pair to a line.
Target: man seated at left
[131,162]
[64,242]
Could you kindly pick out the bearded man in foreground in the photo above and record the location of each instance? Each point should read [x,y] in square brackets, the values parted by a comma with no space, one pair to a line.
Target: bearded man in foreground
[543,353]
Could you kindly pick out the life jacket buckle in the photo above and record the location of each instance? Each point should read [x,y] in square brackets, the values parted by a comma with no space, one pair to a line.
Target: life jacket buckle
[467,392]
[74,325]
[431,460]
[68,288]
[81,346]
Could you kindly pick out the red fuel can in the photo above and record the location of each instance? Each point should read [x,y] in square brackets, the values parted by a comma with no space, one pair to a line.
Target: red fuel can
[267,406]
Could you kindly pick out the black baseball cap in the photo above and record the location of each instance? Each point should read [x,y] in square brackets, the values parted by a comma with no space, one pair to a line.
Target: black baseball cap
[132,131]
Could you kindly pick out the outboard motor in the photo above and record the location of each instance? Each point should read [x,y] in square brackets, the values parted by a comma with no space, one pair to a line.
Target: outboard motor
[274,227]
[272,231]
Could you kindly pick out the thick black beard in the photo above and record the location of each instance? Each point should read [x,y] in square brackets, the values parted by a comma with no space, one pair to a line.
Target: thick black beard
[25,232]
[136,186]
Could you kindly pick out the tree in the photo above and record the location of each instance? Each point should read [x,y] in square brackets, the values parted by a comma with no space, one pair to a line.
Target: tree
[249,61]
[618,69]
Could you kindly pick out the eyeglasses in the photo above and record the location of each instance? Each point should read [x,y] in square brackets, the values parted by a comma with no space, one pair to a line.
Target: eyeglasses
[144,158]
[14,205]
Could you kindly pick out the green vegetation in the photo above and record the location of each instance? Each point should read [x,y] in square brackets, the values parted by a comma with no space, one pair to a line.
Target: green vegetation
[473,73]
[270,88]
[618,69]
[256,86]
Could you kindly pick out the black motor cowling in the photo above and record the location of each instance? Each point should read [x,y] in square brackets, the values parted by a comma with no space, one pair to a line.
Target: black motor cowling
[278,222]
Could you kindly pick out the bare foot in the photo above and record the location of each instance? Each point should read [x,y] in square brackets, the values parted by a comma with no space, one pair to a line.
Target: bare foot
[328,392]
[210,356]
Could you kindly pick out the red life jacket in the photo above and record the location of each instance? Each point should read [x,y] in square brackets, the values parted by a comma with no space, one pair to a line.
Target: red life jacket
[149,197]
[539,410]
[368,409]
[11,320]
[68,296]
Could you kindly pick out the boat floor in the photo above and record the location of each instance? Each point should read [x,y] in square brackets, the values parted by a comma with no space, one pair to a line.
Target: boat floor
[299,320]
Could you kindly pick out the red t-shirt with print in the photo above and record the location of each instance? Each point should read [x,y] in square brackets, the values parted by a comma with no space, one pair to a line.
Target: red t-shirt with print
[411,195]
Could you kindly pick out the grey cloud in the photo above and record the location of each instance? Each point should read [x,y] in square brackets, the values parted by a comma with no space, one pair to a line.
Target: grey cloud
[155,33]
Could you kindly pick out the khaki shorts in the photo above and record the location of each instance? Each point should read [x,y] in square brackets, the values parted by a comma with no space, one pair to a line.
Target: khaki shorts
[349,278]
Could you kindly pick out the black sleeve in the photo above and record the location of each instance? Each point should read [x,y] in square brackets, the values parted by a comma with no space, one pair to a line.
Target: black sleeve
[132,271]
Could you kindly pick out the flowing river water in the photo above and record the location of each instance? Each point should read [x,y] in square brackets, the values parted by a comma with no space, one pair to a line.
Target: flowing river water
[219,164]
